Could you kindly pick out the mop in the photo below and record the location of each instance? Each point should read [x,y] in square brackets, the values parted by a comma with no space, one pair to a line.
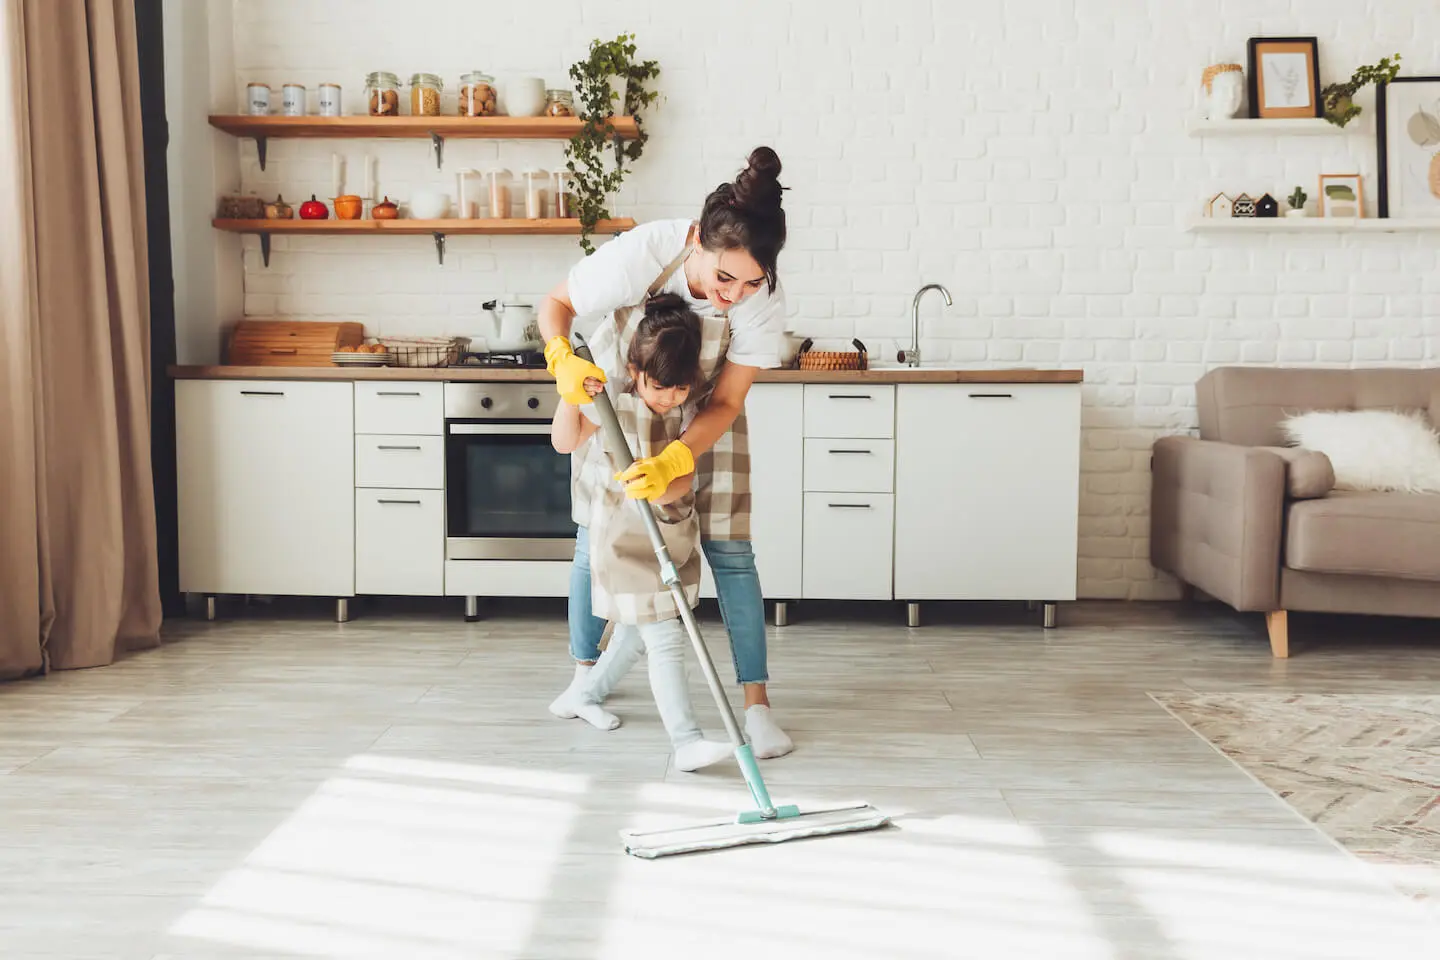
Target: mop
[767,822]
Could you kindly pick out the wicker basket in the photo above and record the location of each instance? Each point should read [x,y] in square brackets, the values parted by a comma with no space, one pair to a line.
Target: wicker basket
[426,351]
[858,359]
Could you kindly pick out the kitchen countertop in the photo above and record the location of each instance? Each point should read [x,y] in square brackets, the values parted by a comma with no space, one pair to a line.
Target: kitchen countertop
[497,374]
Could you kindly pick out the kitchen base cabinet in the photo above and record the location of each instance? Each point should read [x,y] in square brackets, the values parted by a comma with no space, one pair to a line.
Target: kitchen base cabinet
[400,542]
[987,492]
[266,487]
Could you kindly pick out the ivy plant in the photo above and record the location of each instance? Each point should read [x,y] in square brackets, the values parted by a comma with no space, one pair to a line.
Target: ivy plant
[1337,98]
[593,177]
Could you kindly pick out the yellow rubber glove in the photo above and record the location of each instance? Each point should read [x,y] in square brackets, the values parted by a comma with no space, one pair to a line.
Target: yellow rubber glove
[570,372]
[649,478]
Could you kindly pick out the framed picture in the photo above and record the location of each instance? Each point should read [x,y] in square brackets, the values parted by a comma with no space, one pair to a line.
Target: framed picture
[1341,195]
[1284,77]
[1407,123]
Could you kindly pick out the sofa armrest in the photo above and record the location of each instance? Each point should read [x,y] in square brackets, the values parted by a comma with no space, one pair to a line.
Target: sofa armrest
[1309,474]
[1216,514]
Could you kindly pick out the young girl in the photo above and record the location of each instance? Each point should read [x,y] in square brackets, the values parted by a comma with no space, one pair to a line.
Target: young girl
[663,366]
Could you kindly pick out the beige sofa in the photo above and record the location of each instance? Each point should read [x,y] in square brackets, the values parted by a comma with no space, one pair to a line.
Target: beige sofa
[1260,526]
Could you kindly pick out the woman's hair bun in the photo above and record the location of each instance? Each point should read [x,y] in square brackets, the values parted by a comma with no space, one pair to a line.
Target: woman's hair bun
[758,185]
[665,303]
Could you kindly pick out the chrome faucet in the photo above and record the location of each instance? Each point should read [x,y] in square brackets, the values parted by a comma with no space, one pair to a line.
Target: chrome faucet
[911,357]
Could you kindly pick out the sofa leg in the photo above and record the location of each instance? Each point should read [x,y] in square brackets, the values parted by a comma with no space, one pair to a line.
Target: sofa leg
[1278,624]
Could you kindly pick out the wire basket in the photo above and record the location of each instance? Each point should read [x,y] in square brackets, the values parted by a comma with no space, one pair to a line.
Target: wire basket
[808,359]
[426,351]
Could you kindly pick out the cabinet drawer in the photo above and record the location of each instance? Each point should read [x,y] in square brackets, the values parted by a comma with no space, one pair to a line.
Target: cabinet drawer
[839,410]
[408,462]
[400,542]
[849,541]
[857,466]
[400,407]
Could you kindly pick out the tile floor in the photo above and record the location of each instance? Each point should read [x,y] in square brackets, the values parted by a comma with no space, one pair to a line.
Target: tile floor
[275,785]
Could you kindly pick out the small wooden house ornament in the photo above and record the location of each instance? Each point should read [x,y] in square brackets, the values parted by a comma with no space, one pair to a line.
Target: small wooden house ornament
[1244,206]
[1219,205]
[1267,206]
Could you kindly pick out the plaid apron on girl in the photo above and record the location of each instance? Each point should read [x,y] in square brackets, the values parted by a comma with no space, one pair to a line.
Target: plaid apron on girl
[722,473]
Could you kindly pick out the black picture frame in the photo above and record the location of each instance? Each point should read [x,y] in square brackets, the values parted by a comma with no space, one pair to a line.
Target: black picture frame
[1382,130]
[1252,72]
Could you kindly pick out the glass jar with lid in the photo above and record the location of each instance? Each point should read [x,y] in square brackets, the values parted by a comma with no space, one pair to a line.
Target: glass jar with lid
[477,94]
[559,103]
[425,95]
[382,90]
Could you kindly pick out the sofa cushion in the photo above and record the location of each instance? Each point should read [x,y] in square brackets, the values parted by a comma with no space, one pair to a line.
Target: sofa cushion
[1372,449]
[1308,473]
[1366,533]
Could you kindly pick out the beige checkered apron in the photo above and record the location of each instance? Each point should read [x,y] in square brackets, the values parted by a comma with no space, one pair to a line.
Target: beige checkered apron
[722,473]
[625,584]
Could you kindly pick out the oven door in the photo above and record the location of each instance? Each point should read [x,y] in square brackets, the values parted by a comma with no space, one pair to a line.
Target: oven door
[507,493]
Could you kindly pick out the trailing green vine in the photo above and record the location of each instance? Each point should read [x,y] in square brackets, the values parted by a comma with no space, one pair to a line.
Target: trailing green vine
[1337,99]
[585,155]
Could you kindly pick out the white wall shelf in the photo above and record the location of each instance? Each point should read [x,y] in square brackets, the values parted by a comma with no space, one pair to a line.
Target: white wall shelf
[1294,126]
[1309,225]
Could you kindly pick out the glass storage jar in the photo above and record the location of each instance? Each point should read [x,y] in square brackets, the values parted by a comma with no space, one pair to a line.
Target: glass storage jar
[477,95]
[425,95]
[382,90]
[559,103]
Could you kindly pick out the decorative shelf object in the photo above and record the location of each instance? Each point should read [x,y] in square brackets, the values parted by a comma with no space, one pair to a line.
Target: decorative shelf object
[1310,225]
[439,229]
[434,129]
[1296,126]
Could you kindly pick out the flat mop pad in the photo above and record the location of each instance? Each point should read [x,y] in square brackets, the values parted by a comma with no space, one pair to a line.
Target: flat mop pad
[746,829]
[767,823]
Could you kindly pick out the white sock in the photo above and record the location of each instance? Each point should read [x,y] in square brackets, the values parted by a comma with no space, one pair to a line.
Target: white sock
[563,706]
[767,740]
[701,753]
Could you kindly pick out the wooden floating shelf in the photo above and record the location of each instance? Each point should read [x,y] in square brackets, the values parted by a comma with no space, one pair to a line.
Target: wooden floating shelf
[415,128]
[439,229]
[1294,126]
[435,129]
[1310,225]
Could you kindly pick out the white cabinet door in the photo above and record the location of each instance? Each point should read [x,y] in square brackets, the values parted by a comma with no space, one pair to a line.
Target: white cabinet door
[409,462]
[857,466]
[394,406]
[400,542]
[987,489]
[848,540]
[775,414]
[846,410]
[266,478]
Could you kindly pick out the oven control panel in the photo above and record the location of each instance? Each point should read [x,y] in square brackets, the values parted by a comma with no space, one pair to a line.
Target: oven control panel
[500,401]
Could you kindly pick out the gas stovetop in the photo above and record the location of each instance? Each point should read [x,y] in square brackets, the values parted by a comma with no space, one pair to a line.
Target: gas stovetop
[524,360]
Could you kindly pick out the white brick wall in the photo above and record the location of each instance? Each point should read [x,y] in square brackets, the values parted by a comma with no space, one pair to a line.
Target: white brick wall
[1031,155]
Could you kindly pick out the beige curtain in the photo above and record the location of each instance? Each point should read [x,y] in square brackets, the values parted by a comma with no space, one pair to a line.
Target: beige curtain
[78,568]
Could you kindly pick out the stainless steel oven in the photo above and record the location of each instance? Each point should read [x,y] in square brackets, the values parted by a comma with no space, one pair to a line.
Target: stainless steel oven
[507,492]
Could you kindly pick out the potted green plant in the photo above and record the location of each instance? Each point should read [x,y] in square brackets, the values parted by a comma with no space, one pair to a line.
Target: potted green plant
[610,82]
[1297,204]
[1338,98]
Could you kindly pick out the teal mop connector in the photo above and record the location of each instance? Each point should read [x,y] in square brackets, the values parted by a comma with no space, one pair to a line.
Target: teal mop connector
[767,809]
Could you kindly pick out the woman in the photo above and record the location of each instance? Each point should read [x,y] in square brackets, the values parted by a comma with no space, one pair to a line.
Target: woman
[724,266]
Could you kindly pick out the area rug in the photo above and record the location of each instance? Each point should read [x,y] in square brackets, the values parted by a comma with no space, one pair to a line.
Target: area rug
[1365,769]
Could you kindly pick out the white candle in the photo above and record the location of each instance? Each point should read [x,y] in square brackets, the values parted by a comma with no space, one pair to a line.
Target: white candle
[370,176]
[335,175]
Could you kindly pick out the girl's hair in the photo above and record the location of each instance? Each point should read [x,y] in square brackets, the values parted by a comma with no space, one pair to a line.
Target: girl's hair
[666,345]
[747,215]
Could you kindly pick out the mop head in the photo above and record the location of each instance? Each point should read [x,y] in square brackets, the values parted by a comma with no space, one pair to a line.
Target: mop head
[749,828]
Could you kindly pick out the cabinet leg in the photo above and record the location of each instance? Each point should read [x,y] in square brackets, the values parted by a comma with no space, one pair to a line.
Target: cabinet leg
[782,613]
[1049,615]
[472,609]
[342,609]
[209,606]
[912,614]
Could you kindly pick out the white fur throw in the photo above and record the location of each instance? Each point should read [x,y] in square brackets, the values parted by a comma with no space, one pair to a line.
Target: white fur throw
[1372,449]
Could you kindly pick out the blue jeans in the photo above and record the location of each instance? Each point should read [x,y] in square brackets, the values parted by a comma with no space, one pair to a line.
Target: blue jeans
[737,584]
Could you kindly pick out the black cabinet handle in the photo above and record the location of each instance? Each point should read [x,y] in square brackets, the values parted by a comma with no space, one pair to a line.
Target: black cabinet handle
[851,506]
[851,396]
[384,446]
[866,452]
[413,503]
[262,393]
[992,396]
[397,393]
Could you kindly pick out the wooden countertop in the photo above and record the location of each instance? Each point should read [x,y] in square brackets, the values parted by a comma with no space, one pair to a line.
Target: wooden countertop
[493,374]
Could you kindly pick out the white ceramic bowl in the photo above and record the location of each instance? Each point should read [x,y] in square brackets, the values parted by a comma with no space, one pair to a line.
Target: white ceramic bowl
[429,205]
[524,96]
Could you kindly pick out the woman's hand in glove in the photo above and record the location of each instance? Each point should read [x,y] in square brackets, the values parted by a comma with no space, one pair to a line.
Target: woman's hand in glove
[570,372]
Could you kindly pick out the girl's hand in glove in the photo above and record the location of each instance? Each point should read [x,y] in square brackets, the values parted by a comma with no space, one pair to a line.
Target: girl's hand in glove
[649,478]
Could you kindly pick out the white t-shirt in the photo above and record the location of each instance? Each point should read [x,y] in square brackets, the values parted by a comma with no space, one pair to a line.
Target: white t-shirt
[620,271]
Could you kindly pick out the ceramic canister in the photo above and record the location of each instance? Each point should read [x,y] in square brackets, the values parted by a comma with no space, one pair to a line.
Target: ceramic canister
[329,99]
[292,100]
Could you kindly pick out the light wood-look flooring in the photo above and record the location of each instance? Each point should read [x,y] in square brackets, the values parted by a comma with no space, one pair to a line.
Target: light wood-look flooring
[276,785]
